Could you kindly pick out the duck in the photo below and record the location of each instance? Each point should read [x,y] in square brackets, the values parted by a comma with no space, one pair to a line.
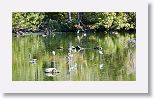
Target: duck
[51,70]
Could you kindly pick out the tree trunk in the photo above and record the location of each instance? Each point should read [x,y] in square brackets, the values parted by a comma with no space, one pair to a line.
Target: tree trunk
[69,16]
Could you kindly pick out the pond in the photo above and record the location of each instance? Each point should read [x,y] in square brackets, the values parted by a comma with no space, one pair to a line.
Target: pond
[74,57]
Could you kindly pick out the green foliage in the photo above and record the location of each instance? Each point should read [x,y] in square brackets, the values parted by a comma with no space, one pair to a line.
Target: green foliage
[27,20]
[115,21]
[60,21]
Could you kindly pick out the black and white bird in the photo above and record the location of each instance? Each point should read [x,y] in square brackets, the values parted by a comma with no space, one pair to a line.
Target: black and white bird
[51,72]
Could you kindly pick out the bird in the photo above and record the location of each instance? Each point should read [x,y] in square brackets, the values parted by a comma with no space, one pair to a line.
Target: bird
[51,70]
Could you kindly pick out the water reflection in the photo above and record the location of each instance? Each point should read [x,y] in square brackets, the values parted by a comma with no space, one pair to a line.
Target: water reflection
[74,56]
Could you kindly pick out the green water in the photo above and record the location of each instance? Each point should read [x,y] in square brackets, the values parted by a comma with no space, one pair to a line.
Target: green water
[116,63]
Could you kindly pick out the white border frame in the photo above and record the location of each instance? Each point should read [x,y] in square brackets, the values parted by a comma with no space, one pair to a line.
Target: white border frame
[9,86]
